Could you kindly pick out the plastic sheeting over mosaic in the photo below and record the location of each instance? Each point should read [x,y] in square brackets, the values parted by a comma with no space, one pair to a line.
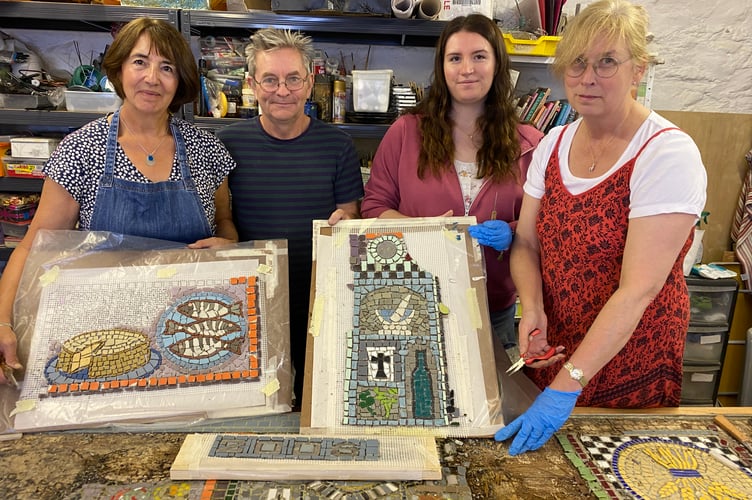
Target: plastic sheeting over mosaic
[400,330]
[123,329]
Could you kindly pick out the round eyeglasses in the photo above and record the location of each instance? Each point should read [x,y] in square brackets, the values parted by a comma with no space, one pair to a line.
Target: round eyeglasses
[605,67]
[271,84]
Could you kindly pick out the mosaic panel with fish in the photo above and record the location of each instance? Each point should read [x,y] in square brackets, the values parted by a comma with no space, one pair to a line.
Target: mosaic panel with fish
[202,336]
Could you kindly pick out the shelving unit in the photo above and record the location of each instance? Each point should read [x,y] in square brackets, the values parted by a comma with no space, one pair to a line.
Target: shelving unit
[58,17]
[88,18]
[712,304]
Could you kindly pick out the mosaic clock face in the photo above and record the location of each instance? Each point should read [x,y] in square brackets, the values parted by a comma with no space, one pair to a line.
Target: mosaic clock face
[387,249]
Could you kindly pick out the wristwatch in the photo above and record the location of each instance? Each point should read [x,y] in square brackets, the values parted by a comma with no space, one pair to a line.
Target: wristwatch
[575,373]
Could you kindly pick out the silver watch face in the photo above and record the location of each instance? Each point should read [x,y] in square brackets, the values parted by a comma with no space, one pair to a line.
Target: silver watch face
[576,373]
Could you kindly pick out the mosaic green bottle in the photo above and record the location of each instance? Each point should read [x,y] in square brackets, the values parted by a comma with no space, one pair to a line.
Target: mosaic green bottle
[422,393]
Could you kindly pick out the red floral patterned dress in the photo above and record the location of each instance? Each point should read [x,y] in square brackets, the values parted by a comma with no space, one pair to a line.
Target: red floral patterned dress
[582,240]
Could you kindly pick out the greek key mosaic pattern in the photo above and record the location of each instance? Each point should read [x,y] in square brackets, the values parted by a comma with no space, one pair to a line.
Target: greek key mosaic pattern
[294,448]
[396,370]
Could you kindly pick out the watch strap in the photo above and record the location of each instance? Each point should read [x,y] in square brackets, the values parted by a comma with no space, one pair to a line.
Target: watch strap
[576,373]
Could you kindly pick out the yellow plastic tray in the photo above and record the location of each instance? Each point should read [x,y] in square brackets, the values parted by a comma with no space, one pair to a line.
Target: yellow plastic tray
[544,46]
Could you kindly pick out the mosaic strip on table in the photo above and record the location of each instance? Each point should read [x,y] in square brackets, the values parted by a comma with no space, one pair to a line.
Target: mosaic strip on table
[203,336]
[294,448]
[396,359]
[670,467]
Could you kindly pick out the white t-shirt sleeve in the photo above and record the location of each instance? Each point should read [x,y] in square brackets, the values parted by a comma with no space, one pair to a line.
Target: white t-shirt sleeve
[668,177]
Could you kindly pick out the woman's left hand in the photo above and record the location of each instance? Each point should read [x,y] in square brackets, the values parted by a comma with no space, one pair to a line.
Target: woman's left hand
[496,234]
[545,416]
[212,242]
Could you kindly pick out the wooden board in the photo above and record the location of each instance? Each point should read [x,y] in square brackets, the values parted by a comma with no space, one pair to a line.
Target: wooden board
[251,458]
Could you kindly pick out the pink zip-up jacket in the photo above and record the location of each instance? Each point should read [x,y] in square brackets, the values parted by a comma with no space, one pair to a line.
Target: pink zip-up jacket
[394,184]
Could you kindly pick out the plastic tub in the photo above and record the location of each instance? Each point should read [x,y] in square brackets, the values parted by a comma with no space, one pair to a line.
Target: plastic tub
[371,90]
[544,46]
[91,102]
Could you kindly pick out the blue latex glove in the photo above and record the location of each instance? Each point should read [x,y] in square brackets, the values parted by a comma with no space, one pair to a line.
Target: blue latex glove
[545,416]
[493,233]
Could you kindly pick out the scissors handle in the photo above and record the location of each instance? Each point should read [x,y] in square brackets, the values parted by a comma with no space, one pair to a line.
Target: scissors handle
[546,355]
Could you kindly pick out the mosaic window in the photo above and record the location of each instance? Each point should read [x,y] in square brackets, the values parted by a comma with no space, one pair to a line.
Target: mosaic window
[399,330]
[396,364]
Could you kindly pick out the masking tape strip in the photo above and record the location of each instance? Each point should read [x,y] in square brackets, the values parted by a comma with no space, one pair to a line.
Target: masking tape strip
[49,276]
[473,308]
[271,387]
[166,272]
[23,406]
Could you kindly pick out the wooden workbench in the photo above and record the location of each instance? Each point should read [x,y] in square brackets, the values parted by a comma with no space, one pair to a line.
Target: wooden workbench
[59,464]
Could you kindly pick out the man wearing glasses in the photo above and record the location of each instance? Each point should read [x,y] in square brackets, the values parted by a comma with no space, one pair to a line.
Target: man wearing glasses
[291,169]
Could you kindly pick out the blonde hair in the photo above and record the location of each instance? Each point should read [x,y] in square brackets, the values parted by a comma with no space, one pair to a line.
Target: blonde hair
[616,20]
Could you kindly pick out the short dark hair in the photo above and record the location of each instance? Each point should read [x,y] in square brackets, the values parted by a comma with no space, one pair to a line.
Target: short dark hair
[165,40]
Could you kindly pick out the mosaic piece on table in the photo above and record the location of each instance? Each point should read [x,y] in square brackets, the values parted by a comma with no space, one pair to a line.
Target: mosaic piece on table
[278,457]
[400,329]
[671,467]
[294,447]
[157,340]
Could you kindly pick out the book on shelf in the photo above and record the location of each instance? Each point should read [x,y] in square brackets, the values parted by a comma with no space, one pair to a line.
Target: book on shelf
[524,102]
[541,95]
[545,114]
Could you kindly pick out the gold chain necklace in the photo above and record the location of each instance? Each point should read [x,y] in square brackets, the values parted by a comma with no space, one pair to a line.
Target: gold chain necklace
[150,161]
[593,156]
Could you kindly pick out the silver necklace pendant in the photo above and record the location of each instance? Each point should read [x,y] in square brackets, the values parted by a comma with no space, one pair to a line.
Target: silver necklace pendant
[591,167]
[150,160]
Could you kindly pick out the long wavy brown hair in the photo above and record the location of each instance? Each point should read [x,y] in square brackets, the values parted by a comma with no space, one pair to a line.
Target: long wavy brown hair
[497,156]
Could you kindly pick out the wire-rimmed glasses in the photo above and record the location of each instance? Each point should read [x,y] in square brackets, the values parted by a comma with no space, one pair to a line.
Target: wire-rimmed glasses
[271,83]
[605,67]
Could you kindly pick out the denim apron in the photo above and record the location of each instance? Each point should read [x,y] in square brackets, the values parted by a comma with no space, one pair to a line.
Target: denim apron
[169,210]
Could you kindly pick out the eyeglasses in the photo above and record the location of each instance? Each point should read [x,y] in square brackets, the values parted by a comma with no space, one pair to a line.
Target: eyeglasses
[605,67]
[271,84]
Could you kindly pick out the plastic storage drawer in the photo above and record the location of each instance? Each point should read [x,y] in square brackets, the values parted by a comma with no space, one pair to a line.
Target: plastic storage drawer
[699,384]
[705,345]
[711,301]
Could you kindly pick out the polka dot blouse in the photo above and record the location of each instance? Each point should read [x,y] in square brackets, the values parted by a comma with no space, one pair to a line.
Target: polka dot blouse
[78,164]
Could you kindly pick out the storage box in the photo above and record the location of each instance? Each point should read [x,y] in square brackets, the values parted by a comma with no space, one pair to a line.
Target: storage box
[18,208]
[299,5]
[698,384]
[24,167]
[704,345]
[168,4]
[32,147]
[544,46]
[711,301]
[92,102]
[14,230]
[372,90]
[25,101]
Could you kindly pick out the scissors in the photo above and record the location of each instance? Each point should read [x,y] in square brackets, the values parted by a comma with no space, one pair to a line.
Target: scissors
[526,360]
[8,372]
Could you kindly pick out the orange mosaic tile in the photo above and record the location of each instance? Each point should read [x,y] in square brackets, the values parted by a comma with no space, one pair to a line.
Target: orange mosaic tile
[233,281]
[255,373]
[252,280]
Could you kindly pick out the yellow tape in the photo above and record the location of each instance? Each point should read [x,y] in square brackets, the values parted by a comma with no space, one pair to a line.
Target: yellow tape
[271,387]
[473,308]
[167,272]
[49,277]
